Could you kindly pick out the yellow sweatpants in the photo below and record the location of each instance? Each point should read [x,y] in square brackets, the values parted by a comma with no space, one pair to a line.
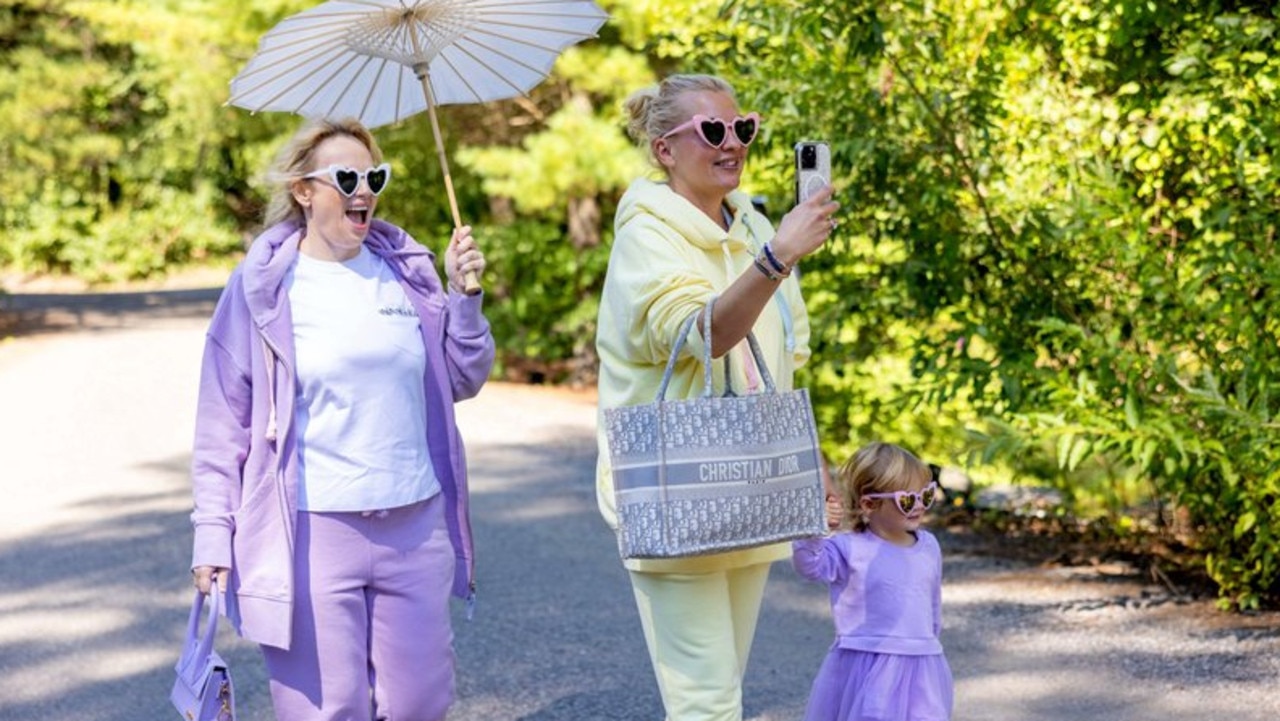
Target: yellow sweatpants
[699,628]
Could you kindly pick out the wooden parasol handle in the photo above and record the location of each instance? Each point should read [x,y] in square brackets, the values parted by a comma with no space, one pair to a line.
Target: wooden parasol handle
[471,284]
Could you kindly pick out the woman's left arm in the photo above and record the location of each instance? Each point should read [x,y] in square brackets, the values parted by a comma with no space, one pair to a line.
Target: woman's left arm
[468,345]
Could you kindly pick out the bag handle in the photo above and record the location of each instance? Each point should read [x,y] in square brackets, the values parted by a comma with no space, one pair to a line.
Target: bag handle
[685,327]
[193,623]
[758,357]
[683,337]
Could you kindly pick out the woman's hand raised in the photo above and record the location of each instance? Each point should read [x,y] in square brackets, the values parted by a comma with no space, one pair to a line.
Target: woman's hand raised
[806,228]
[461,257]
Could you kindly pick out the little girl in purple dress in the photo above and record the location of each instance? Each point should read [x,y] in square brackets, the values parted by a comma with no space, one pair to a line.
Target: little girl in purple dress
[885,577]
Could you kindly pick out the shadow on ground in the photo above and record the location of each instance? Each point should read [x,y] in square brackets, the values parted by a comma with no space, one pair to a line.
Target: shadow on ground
[91,616]
[33,313]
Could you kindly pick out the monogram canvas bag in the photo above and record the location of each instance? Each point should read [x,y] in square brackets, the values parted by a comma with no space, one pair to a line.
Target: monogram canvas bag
[714,473]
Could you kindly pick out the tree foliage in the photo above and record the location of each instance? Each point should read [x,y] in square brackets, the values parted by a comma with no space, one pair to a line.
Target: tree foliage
[1056,258]
[1061,238]
[118,163]
[549,248]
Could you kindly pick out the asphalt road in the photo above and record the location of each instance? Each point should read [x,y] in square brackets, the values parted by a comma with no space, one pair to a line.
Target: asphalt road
[96,412]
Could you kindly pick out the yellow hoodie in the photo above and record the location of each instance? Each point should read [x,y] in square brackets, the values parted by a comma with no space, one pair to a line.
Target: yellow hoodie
[668,259]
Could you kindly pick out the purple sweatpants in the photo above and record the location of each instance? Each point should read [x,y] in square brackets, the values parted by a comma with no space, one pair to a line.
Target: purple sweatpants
[371,631]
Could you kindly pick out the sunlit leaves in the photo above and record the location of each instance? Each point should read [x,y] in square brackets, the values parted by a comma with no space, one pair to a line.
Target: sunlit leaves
[1086,196]
[579,154]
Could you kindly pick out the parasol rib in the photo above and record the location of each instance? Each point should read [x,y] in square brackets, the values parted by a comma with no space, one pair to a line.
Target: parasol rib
[288,69]
[315,72]
[463,79]
[337,100]
[355,58]
[499,53]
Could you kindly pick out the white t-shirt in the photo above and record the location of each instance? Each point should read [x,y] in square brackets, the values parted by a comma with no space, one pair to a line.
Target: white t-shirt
[361,423]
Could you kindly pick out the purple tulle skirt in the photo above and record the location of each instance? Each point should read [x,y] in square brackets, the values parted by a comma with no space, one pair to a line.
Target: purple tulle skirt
[865,686]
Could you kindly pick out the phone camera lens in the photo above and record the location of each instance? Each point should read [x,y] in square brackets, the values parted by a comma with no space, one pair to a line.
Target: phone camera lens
[808,157]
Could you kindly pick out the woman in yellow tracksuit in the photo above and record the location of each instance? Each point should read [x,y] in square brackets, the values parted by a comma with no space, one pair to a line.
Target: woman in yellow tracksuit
[680,241]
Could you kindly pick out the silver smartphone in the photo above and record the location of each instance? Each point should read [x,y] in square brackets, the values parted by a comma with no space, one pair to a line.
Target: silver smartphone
[813,168]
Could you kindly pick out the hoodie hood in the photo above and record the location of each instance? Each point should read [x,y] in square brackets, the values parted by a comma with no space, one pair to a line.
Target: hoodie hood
[393,244]
[749,230]
[275,251]
[265,266]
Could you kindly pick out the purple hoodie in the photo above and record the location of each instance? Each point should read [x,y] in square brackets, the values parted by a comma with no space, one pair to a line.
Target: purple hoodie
[244,462]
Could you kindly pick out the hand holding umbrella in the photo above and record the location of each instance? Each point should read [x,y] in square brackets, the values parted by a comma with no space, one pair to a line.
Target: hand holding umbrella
[381,61]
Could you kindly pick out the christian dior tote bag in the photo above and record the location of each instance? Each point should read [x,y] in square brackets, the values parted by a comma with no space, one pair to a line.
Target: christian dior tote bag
[714,473]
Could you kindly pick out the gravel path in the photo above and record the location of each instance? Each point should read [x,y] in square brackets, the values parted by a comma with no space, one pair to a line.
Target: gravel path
[95,424]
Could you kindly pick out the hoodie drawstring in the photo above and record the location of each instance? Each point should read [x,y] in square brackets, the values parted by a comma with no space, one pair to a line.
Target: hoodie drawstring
[784,308]
[270,358]
[753,378]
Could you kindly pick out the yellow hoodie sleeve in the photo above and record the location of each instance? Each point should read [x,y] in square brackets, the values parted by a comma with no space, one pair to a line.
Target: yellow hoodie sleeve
[656,280]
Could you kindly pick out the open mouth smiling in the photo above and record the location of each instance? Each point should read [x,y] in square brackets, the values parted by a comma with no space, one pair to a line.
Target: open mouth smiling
[359,216]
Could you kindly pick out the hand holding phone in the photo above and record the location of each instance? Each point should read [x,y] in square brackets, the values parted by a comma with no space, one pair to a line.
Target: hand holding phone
[813,168]
[808,225]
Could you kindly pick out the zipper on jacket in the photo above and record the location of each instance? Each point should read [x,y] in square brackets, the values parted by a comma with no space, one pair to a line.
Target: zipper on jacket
[272,354]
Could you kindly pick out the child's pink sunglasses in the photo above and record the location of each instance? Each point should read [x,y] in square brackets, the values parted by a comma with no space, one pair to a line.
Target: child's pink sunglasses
[907,501]
[715,132]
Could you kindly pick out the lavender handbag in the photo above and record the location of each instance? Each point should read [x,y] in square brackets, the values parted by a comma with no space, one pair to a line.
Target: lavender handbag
[203,689]
[714,473]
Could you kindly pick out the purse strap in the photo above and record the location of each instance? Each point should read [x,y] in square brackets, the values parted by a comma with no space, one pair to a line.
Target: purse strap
[685,327]
[683,337]
[756,355]
[193,623]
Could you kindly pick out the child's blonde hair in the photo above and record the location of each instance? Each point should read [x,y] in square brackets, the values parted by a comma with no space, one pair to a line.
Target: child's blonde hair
[878,468]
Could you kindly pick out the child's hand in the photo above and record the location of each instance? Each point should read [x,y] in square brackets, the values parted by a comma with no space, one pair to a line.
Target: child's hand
[835,513]
[835,509]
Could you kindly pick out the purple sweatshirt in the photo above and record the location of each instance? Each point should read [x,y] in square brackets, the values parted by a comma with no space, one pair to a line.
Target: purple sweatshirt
[244,461]
[884,598]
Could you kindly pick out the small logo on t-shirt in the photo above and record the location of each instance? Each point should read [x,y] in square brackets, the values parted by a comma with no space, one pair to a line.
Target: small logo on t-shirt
[405,311]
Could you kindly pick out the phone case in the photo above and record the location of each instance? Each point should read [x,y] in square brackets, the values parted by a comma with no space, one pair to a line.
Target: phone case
[813,168]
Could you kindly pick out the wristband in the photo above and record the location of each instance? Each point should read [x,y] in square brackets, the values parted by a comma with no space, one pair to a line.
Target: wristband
[768,273]
[773,260]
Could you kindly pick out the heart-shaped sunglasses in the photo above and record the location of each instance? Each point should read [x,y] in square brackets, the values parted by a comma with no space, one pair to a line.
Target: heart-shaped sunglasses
[906,501]
[715,132]
[347,180]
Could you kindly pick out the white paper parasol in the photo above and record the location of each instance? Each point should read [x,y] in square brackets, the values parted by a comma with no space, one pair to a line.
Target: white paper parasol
[382,61]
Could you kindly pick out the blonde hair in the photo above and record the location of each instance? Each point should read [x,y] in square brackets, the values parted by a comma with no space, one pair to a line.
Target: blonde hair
[878,468]
[297,158]
[653,111]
